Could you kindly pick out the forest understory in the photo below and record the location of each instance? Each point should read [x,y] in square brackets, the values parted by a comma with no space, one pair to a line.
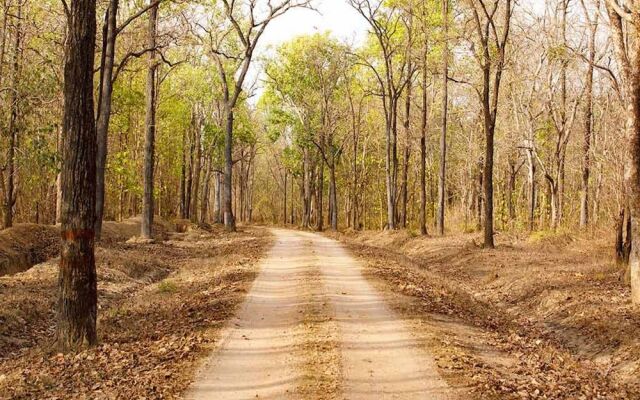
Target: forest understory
[161,306]
[546,317]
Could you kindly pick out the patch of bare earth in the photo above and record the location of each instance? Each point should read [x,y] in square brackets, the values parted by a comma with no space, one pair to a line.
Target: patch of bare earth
[161,306]
[549,319]
[321,345]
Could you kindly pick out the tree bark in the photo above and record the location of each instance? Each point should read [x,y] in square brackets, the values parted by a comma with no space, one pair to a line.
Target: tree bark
[588,125]
[193,214]
[445,108]
[104,109]
[229,219]
[423,144]
[77,282]
[150,126]
[9,181]
[183,177]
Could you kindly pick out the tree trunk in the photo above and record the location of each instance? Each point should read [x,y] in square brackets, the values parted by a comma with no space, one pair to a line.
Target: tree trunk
[333,197]
[150,126]
[183,177]
[319,198]
[489,127]
[217,210]
[284,203]
[77,283]
[588,126]
[104,109]
[443,135]
[9,189]
[204,204]
[229,220]
[423,144]
[197,166]
[532,189]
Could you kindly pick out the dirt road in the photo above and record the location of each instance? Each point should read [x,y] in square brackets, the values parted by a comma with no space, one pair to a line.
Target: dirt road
[312,327]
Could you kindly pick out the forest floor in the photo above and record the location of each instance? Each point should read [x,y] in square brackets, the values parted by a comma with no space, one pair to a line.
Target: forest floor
[544,317]
[161,306]
[382,315]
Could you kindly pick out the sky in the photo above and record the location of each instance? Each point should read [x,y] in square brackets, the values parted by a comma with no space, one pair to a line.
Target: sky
[336,16]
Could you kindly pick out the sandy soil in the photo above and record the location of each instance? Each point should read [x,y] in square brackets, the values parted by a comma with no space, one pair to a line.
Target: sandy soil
[314,328]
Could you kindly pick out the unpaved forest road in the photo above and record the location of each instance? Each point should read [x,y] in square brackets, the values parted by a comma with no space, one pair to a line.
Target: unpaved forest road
[312,327]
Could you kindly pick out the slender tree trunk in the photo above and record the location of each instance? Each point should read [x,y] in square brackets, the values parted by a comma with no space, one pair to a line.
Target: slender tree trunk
[333,197]
[443,135]
[204,204]
[217,212]
[9,192]
[229,220]
[150,126]
[532,189]
[423,144]
[104,109]
[197,166]
[284,203]
[588,126]
[320,198]
[183,177]
[77,282]
[189,182]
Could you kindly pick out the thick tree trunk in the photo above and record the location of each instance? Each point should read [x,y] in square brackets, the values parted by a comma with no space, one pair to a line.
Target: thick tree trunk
[104,109]
[77,286]
[632,171]
[150,126]
[489,127]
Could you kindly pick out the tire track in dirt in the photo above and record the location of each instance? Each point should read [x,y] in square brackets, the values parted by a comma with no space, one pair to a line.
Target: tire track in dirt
[313,328]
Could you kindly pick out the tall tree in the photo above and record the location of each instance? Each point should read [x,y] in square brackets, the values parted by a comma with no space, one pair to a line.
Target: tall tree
[8,171]
[588,112]
[247,27]
[77,282]
[150,127]
[442,175]
[628,60]
[492,39]
[392,76]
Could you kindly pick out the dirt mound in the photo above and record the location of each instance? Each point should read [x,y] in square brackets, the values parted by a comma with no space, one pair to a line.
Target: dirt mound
[113,231]
[25,245]
[160,308]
